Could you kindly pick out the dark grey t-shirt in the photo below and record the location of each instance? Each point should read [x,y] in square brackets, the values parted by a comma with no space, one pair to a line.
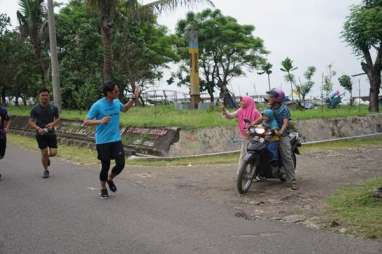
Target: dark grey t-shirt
[44,115]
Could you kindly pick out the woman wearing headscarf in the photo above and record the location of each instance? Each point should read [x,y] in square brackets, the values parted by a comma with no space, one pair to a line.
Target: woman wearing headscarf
[247,111]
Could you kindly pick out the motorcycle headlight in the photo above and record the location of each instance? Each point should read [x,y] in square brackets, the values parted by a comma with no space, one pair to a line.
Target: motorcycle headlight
[252,130]
[260,130]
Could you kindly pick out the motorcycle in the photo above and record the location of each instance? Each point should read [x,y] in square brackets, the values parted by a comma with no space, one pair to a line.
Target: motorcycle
[257,162]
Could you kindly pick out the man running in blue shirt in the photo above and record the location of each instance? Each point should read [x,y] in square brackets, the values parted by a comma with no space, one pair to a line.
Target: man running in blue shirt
[105,114]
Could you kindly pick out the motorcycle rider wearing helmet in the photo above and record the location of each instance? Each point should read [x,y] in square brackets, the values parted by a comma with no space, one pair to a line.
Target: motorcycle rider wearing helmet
[275,98]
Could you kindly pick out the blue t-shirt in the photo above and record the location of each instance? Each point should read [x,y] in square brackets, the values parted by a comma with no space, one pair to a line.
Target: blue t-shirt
[281,113]
[272,124]
[110,132]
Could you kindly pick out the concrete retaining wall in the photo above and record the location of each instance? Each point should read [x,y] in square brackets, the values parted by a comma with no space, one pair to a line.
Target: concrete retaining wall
[154,141]
[221,139]
[175,142]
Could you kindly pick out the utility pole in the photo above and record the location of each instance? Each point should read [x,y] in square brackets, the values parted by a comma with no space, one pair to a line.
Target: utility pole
[53,56]
[359,95]
[322,92]
[359,88]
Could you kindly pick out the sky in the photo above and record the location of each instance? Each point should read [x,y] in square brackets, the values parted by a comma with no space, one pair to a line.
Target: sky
[308,31]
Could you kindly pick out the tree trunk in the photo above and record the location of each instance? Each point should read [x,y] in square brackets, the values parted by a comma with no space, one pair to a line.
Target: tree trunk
[24,101]
[36,44]
[54,57]
[3,99]
[351,98]
[375,85]
[16,100]
[211,94]
[106,31]
[269,82]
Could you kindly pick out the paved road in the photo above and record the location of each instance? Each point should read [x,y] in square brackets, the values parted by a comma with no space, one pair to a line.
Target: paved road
[63,215]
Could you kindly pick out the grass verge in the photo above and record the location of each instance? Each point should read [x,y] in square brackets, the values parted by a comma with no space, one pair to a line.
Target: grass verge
[85,156]
[356,207]
[78,155]
[344,144]
[165,116]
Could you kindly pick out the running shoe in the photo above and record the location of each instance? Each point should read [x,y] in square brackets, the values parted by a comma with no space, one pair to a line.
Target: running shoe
[104,193]
[111,185]
[45,174]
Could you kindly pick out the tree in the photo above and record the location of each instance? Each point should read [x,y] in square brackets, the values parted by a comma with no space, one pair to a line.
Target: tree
[226,49]
[147,50]
[362,31]
[4,23]
[107,9]
[267,69]
[287,67]
[345,82]
[80,55]
[328,81]
[304,88]
[33,25]
[5,44]
[19,71]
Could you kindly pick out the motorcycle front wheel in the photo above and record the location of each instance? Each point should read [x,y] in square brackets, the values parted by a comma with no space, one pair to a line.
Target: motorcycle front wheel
[245,176]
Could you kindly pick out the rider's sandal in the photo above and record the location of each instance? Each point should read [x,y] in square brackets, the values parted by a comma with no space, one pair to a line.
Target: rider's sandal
[293,185]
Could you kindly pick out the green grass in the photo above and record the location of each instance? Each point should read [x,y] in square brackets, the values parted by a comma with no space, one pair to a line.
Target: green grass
[356,207]
[343,111]
[167,116]
[344,144]
[85,156]
[78,155]
[205,160]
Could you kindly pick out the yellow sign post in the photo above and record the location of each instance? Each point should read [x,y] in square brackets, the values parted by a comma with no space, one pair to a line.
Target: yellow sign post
[192,36]
[195,81]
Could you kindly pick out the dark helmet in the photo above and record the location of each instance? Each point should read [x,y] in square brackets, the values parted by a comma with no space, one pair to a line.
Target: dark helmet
[276,94]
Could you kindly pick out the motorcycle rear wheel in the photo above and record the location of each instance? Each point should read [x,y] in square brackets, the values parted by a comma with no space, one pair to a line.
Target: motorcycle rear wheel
[245,177]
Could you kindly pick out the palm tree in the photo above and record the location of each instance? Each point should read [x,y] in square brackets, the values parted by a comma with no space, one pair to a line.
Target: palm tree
[107,9]
[267,69]
[33,25]
[287,66]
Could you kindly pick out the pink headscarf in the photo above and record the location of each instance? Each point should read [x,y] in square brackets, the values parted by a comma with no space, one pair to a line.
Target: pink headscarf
[247,111]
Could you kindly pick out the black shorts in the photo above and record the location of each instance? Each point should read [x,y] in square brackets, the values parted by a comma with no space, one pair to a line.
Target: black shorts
[47,140]
[110,151]
[3,146]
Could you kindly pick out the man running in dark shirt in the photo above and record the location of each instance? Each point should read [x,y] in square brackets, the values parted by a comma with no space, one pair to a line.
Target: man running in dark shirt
[44,118]
[4,127]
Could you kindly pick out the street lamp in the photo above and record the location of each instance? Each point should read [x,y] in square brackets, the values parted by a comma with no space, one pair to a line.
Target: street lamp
[191,35]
